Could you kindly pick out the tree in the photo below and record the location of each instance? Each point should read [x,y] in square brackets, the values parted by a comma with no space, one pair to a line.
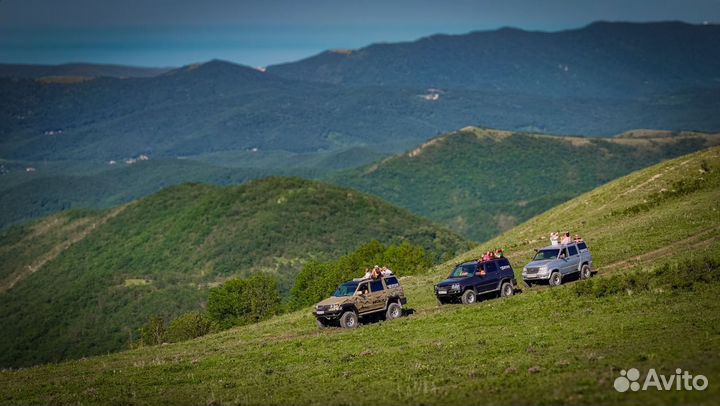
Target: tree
[153,332]
[244,301]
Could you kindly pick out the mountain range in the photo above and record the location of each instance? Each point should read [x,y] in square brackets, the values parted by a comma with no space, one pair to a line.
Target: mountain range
[603,79]
[603,59]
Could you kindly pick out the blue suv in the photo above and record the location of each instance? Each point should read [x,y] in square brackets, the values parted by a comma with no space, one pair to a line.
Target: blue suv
[470,280]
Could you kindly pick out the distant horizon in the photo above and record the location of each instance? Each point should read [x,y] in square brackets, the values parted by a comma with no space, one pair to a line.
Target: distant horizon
[210,58]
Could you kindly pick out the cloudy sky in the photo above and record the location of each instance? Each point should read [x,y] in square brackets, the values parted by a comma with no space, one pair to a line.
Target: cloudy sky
[263,32]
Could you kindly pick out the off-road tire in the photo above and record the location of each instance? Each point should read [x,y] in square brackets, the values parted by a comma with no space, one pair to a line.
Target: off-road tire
[349,320]
[506,290]
[555,279]
[394,311]
[469,297]
[585,272]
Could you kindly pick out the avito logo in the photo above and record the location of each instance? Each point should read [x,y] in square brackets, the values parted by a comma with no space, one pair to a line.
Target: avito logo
[681,380]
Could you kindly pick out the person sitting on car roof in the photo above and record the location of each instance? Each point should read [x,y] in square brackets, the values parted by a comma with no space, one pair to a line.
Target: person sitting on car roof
[578,238]
[376,272]
[499,253]
[566,238]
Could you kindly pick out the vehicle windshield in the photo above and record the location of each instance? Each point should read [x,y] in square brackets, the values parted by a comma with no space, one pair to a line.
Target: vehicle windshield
[462,271]
[346,289]
[546,254]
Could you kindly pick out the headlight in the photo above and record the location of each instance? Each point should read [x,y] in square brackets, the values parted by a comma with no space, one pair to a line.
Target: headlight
[334,307]
[455,286]
[543,269]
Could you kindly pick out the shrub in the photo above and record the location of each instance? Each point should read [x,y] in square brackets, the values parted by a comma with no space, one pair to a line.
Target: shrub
[188,326]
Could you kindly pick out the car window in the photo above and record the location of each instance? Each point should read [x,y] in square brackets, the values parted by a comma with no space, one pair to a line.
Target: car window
[376,286]
[503,262]
[490,267]
[582,246]
[391,282]
[573,250]
[363,288]
[563,253]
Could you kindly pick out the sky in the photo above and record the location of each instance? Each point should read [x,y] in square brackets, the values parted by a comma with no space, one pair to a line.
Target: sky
[167,33]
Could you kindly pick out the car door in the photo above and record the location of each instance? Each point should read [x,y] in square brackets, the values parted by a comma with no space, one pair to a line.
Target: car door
[573,262]
[490,280]
[362,302]
[377,295]
[564,261]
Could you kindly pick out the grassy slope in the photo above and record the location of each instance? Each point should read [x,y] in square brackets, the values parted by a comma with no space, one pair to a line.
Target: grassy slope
[481,182]
[64,279]
[454,354]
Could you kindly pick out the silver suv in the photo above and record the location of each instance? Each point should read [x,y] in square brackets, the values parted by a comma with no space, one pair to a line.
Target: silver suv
[554,263]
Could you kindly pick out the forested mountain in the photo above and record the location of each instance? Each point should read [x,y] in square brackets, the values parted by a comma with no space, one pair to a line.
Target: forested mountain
[603,59]
[81,282]
[481,182]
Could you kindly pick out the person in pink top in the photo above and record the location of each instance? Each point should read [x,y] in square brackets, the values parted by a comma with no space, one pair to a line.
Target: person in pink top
[566,238]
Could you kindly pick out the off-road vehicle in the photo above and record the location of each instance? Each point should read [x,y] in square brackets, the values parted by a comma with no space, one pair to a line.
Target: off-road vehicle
[554,263]
[359,299]
[470,280]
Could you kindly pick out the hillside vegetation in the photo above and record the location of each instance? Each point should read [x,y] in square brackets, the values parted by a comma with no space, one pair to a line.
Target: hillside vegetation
[80,283]
[481,182]
[655,238]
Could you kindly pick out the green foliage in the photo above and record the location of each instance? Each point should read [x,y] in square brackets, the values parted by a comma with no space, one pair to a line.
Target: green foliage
[81,298]
[481,182]
[188,326]
[529,342]
[688,274]
[153,332]
[243,301]
[318,280]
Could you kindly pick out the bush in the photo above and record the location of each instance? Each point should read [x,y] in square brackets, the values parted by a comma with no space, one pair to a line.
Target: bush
[189,326]
[684,275]
[244,301]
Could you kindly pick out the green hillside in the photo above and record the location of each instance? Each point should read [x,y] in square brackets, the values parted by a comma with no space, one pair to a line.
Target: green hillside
[80,283]
[655,238]
[481,182]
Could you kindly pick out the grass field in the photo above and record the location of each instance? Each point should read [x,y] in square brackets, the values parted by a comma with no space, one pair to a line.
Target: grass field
[560,345]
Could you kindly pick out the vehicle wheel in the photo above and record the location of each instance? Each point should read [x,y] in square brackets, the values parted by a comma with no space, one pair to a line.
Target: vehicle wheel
[394,311]
[441,302]
[469,297]
[349,320]
[506,290]
[585,272]
[321,324]
[555,279]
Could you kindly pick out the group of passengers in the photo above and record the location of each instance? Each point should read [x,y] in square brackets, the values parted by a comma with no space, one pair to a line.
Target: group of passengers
[377,272]
[566,239]
[490,255]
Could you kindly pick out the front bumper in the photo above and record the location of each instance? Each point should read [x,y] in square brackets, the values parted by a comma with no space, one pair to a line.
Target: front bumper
[445,291]
[327,315]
